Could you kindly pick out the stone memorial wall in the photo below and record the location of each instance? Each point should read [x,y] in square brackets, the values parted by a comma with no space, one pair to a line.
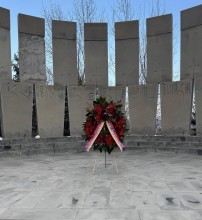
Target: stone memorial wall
[50,105]
[159,49]
[114,93]
[79,97]
[64,53]
[16,109]
[198,105]
[31,31]
[5,46]
[176,97]
[142,109]
[176,105]
[127,53]
[96,54]
[191,43]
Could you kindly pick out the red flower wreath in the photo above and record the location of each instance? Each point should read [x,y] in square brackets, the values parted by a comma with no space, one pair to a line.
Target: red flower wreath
[104,111]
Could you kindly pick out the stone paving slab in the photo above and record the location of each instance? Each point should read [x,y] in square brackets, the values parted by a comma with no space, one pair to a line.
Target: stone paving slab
[149,186]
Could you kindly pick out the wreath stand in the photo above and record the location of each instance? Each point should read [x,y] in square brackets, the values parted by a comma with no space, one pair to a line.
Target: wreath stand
[95,161]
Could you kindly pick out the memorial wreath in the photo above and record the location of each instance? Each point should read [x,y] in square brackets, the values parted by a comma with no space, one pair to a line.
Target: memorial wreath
[105,126]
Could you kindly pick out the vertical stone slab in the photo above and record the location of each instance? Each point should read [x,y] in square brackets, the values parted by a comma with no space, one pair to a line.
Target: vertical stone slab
[114,93]
[191,43]
[31,31]
[5,45]
[142,109]
[198,105]
[79,98]
[176,105]
[127,53]
[16,109]
[64,53]
[159,49]
[50,104]
[96,54]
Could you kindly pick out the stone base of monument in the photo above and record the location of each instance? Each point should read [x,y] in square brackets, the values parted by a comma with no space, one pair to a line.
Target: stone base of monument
[32,146]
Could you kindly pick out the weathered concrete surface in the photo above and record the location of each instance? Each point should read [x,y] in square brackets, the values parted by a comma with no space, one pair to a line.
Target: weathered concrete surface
[31,32]
[96,54]
[113,93]
[198,105]
[159,49]
[127,53]
[4,18]
[31,25]
[142,109]
[79,97]
[16,109]
[64,53]
[176,105]
[54,187]
[50,104]
[191,43]
[5,45]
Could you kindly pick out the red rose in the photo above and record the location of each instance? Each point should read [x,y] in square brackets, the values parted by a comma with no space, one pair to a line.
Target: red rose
[109,140]
[98,109]
[111,108]
[98,118]
[122,121]
[121,132]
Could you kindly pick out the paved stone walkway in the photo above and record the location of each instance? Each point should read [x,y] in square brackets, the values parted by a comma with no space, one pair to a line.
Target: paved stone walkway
[150,186]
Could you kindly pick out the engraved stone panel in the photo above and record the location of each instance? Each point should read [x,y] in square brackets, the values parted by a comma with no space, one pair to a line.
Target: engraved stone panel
[176,105]
[50,103]
[159,49]
[191,43]
[198,105]
[31,49]
[114,93]
[79,98]
[5,45]
[127,53]
[96,54]
[142,109]
[64,53]
[16,109]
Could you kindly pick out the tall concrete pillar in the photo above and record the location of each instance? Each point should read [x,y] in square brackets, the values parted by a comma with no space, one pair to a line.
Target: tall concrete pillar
[31,31]
[64,53]
[191,43]
[16,109]
[159,49]
[79,97]
[176,105]
[142,109]
[96,54]
[198,105]
[5,45]
[50,104]
[113,93]
[127,53]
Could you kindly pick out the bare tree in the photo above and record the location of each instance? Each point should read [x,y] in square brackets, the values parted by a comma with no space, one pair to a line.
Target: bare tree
[127,10]
[84,11]
[123,11]
[156,8]
[52,13]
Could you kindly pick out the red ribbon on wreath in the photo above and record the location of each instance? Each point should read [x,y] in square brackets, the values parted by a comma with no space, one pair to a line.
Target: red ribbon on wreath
[105,125]
[112,132]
